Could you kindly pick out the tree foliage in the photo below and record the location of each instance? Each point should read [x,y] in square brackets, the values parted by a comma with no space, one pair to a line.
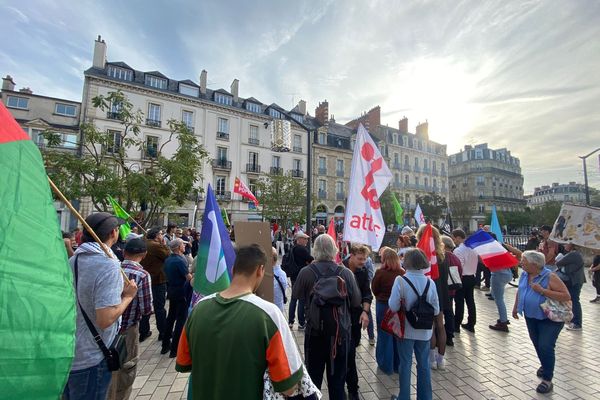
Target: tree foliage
[283,198]
[108,163]
[434,206]
[520,221]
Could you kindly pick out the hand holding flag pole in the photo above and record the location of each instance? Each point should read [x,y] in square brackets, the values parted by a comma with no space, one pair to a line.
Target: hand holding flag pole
[85,225]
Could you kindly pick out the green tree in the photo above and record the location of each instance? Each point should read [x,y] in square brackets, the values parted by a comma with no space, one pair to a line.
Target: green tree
[145,186]
[283,198]
[433,206]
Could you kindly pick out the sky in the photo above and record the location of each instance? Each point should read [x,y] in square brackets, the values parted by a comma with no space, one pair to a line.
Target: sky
[520,74]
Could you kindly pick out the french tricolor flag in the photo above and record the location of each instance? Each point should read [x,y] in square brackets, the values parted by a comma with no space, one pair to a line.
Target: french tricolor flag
[493,255]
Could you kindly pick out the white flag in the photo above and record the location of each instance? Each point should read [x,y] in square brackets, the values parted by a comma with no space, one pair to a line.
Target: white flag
[419,217]
[369,177]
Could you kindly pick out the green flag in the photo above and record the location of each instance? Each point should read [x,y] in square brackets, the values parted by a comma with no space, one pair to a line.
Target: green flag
[37,321]
[124,229]
[225,217]
[397,210]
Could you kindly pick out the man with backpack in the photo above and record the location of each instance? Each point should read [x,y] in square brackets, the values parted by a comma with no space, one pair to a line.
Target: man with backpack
[330,292]
[292,263]
[359,315]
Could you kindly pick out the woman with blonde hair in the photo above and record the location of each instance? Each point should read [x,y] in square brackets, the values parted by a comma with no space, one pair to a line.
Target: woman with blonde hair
[386,352]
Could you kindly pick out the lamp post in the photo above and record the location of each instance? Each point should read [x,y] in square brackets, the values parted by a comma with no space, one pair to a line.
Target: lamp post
[585,177]
[308,173]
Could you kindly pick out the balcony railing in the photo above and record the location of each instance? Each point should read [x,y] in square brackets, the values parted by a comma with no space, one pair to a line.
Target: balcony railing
[397,185]
[297,149]
[223,136]
[114,115]
[407,167]
[253,141]
[223,195]
[153,122]
[426,170]
[276,170]
[322,194]
[340,196]
[417,169]
[397,165]
[222,164]
[339,173]
[296,173]
[255,168]
[322,171]
[434,172]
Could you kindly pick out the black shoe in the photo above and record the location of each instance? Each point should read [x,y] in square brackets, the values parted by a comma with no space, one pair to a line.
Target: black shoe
[468,327]
[172,354]
[488,294]
[160,337]
[490,298]
[353,396]
[449,342]
[145,336]
[165,349]
[500,326]
[507,322]
[540,372]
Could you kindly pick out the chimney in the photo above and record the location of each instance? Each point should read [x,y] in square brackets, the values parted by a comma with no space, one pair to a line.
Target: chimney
[302,107]
[373,117]
[235,88]
[403,125]
[332,119]
[423,130]
[8,83]
[203,77]
[99,53]
[322,112]
[26,90]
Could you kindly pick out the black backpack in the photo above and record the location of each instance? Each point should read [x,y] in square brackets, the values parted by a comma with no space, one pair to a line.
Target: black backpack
[421,314]
[289,266]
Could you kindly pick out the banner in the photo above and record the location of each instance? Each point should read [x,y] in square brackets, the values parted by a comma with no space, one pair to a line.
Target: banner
[398,210]
[240,188]
[419,217]
[579,225]
[369,177]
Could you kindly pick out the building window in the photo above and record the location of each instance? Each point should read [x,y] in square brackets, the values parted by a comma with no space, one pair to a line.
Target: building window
[406,179]
[253,107]
[425,164]
[416,162]
[404,141]
[396,178]
[480,180]
[396,158]
[406,161]
[339,187]
[154,112]
[17,102]
[223,99]
[322,165]
[114,141]
[481,208]
[253,135]
[37,137]
[70,140]
[253,158]
[340,166]
[276,162]
[322,138]
[151,146]
[426,181]
[433,166]
[189,90]
[187,117]
[156,82]
[298,117]
[407,199]
[274,113]
[297,164]
[322,186]
[65,109]
[222,153]
[220,184]
[297,144]
[223,125]
[435,183]
[478,155]
[120,73]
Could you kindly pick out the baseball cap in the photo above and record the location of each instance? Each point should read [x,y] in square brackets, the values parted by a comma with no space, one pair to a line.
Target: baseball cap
[135,246]
[103,222]
[300,235]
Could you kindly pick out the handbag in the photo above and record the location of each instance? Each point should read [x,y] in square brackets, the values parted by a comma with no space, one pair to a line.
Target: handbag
[394,322]
[116,355]
[454,281]
[557,311]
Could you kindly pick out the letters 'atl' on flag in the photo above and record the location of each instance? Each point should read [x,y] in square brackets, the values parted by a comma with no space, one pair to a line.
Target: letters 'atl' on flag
[240,188]
[492,253]
[419,217]
[495,225]
[37,326]
[427,245]
[214,263]
[369,178]
[398,211]
[333,235]
[124,229]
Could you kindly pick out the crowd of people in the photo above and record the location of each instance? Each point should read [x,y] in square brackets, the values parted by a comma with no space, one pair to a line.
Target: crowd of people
[236,336]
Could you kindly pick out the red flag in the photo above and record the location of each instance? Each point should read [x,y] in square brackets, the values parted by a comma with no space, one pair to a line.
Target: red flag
[427,245]
[331,232]
[240,188]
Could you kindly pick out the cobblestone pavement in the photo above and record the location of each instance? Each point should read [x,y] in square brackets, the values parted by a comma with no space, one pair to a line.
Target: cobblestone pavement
[484,365]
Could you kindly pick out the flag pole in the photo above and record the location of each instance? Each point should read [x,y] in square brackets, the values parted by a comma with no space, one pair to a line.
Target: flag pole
[85,224]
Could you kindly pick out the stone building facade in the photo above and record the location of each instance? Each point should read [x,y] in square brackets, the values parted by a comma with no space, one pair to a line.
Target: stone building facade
[566,192]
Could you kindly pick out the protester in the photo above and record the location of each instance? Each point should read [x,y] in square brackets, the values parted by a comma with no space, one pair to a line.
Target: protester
[482,270]
[452,261]
[534,241]
[177,272]
[180,234]
[103,297]
[386,352]
[195,244]
[232,337]
[414,340]
[122,380]
[571,265]
[298,258]
[279,242]
[370,267]
[153,263]
[595,275]
[404,243]
[170,233]
[538,283]
[327,342]
[68,239]
[468,260]
[359,315]
[279,282]
[549,248]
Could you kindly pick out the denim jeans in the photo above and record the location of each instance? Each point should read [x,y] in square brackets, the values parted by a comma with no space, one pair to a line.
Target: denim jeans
[292,310]
[371,327]
[88,384]
[543,334]
[575,292]
[421,350]
[159,298]
[499,281]
[317,352]
[386,351]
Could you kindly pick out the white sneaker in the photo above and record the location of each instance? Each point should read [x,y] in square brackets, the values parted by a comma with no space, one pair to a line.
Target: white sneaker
[432,359]
[441,363]
[572,327]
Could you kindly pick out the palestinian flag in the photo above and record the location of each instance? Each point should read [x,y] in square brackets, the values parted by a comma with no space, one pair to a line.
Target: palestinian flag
[37,312]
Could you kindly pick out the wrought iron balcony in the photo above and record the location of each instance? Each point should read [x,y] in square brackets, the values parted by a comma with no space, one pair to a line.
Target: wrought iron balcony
[223,195]
[296,173]
[223,136]
[297,149]
[340,196]
[253,141]
[114,115]
[339,173]
[276,170]
[322,194]
[397,165]
[156,123]
[253,168]
[222,164]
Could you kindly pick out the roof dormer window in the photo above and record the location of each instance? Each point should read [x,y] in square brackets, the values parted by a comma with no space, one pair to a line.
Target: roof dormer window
[223,99]
[253,107]
[274,113]
[120,73]
[188,90]
[156,82]
[298,117]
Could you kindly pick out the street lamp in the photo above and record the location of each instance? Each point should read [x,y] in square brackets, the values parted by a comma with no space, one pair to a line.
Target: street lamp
[587,189]
[308,173]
